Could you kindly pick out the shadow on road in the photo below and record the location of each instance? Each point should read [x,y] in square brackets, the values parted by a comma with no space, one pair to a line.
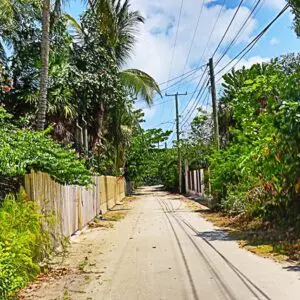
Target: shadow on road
[217,235]
[293,268]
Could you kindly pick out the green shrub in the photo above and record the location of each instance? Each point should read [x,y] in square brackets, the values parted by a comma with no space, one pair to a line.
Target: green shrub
[24,150]
[257,173]
[23,243]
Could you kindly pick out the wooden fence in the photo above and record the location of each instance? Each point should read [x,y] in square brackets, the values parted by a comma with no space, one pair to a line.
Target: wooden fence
[74,206]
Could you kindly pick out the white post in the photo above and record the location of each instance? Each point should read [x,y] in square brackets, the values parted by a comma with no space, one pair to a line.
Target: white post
[186,176]
[202,182]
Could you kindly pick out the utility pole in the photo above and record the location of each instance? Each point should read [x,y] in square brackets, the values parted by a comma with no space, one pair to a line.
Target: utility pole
[214,102]
[178,138]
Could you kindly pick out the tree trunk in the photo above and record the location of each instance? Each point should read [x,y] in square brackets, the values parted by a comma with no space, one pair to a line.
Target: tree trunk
[45,45]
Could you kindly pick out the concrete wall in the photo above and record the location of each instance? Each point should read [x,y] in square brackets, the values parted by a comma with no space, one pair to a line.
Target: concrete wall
[74,206]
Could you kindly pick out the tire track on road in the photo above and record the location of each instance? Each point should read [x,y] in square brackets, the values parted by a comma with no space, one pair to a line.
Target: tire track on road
[223,289]
[247,282]
[188,271]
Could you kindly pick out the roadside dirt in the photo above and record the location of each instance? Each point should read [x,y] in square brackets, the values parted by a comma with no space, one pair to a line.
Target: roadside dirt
[256,236]
[70,272]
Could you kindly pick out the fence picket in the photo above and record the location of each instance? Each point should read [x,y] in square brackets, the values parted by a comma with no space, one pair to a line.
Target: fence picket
[74,206]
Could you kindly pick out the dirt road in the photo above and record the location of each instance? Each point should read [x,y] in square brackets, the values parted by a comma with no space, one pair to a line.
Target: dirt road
[162,250]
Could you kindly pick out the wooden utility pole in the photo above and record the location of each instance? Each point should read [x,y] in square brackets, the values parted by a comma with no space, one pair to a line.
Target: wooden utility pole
[214,102]
[178,138]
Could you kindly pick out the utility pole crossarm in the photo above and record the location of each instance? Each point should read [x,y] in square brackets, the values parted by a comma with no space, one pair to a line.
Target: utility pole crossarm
[178,94]
[178,138]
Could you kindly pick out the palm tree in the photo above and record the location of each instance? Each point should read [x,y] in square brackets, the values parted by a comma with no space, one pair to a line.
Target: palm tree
[119,26]
[45,47]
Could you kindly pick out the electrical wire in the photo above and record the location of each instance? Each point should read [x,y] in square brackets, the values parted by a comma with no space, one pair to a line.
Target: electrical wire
[211,33]
[160,103]
[199,96]
[189,74]
[195,90]
[206,97]
[240,30]
[176,36]
[183,74]
[194,36]
[183,78]
[212,30]
[248,48]
[228,27]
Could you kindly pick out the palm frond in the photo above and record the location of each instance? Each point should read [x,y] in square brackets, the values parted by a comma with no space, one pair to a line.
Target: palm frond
[140,83]
[3,57]
[119,25]
[76,29]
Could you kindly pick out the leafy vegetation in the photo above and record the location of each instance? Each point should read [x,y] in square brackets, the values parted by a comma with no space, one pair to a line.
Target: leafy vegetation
[68,77]
[24,242]
[260,165]
[295,5]
[148,163]
[89,96]
[23,150]
[256,172]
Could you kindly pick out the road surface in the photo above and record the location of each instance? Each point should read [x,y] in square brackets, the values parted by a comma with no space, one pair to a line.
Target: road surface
[162,250]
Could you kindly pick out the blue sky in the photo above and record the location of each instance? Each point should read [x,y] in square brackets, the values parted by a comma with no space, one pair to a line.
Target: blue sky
[155,46]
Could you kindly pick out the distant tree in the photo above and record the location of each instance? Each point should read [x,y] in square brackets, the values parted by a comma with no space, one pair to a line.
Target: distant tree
[295,4]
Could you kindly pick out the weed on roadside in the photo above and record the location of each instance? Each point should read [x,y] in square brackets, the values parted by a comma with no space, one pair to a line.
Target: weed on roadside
[260,237]
[114,216]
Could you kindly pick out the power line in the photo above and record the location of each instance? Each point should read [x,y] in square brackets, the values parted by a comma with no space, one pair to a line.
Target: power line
[207,43]
[183,78]
[200,94]
[194,35]
[183,74]
[248,48]
[213,29]
[163,123]
[228,27]
[176,36]
[211,33]
[193,94]
[188,74]
[188,115]
[238,33]
[160,103]
[197,103]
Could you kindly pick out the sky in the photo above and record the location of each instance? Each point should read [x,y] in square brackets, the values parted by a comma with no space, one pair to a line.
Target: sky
[169,46]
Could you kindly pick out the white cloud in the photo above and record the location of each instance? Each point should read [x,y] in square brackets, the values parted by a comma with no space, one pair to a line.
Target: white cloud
[276,4]
[154,50]
[274,41]
[148,111]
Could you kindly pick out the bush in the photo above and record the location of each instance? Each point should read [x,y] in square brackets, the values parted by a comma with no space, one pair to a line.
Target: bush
[23,150]
[257,173]
[23,243]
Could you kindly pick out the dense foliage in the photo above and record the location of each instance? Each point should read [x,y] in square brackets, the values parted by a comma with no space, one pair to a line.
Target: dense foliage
[90,98]
[262,163]
[23,150]
[295,4]
[257,170]
[23,243]
[147,163]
